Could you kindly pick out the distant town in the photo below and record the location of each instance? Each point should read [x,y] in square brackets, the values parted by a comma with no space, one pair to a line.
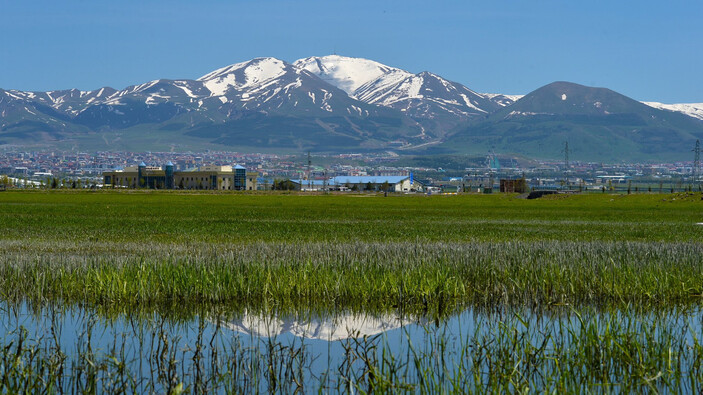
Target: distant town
[344,172]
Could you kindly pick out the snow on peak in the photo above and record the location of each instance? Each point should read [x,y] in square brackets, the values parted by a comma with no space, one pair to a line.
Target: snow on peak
[694,110]
[250,74]
[375,83]
[348,74]
[501,96]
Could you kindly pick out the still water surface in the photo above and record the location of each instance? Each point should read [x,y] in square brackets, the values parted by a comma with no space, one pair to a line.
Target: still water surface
[308,351]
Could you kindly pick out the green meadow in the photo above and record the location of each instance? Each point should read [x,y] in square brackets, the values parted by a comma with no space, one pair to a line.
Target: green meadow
[177,218]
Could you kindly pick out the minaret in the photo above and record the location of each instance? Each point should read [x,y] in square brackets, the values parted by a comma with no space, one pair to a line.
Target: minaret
[141,172]
[169,175]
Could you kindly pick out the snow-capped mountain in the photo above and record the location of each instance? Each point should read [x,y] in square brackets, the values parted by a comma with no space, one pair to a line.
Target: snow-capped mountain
[258,102]
[348,74]
[426,97]
[272,85]
[328,103]
[694,110]
[263,84]
[70,101]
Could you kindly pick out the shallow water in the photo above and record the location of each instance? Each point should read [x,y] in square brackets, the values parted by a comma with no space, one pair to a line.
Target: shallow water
[307,351]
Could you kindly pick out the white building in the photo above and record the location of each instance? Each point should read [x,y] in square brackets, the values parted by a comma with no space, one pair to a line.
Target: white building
[376,183]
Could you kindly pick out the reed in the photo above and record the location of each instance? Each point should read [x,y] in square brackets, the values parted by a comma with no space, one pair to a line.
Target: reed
[435,277]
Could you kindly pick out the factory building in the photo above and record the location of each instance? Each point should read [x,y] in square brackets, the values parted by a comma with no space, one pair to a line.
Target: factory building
[377,183]
[211,177]
[361,183]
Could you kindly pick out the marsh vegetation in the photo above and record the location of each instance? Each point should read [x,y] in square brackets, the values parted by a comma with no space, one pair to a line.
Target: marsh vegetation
[592,292]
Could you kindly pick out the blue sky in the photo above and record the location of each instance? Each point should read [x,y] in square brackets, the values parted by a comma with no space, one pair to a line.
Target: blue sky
[649,50]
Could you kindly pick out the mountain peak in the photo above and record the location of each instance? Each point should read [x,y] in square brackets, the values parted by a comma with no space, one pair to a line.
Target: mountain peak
[269,67]
[346,73]
[426,74]
[249,74]
[570,98]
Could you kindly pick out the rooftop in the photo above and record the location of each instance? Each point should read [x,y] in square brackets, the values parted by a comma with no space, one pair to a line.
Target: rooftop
[340,180]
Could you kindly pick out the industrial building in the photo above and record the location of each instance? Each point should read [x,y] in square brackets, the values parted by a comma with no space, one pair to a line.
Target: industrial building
[361,183]
[513,186]
[165,177]
[378,183]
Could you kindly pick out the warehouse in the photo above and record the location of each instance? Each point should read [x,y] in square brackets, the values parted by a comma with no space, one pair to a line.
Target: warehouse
[376,183]
[360,183]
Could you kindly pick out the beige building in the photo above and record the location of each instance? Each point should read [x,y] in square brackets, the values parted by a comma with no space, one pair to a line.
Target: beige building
[226,178]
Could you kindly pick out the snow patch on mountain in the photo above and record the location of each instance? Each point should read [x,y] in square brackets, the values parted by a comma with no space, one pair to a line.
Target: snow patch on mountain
[501,99]
[184,87]
[254,74]
[694,110]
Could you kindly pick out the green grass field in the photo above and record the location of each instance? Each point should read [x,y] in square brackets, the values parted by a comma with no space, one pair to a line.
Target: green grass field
[349,251]
[175,218]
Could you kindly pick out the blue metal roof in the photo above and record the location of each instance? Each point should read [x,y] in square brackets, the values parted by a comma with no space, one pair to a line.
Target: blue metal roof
[169,163]
[311,182]
[239,167]
[341,180]
[142,164]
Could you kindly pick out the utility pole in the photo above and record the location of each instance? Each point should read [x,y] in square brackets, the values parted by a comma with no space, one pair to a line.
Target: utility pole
[309,181]
[696,161]
[566,163]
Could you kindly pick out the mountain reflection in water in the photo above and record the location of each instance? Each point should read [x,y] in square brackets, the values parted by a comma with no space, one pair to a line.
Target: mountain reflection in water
[330,328]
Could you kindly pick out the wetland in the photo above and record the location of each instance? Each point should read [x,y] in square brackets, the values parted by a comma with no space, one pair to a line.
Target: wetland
[224,292]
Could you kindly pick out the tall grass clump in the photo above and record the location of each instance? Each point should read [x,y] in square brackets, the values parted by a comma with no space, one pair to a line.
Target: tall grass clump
[437,277]
[574,353]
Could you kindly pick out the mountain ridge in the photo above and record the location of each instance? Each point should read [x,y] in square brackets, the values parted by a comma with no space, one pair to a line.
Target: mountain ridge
[330,103]
[433,101]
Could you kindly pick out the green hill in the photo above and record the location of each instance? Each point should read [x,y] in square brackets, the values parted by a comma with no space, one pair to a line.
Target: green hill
[598,123]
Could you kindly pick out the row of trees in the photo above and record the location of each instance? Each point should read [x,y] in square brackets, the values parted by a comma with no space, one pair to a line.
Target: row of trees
[64,183]
[5,182]
[49,182]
